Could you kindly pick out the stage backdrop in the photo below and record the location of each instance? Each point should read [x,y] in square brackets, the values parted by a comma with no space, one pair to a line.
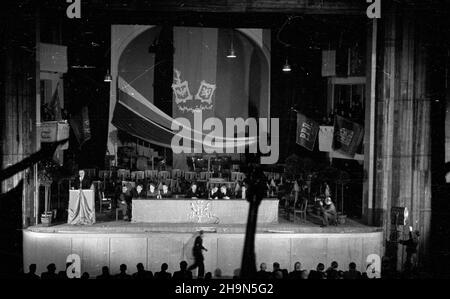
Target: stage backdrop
[204,80]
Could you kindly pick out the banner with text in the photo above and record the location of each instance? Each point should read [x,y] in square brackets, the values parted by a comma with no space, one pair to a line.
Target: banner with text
[307,130]
[347,136]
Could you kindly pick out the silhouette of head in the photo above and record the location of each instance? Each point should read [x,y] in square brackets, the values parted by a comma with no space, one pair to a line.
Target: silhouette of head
[51,268]
[208,275]
[123,268]
[320,267]
[85,275]
[183,265]
[218,272]
[164,267]
[32,268]
[297,266]
[105,270]
[140,267]
[263,267]
[334,265]
[276,266]
[352,266]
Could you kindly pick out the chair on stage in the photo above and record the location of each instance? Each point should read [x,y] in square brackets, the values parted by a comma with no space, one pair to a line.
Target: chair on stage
[301,210]
[105,201]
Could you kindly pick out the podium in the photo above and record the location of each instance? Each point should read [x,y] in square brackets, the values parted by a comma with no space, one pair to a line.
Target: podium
[81,207]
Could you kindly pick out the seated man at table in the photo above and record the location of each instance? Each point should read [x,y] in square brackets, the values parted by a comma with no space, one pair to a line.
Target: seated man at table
[124,203]
[223,192]
[193,192]
[165,193]
[214,193]
[138,192]
[152,192]
[242,193]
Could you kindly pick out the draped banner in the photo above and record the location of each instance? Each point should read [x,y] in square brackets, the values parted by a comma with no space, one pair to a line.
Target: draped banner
[347,136]
[307,130]
[81,207]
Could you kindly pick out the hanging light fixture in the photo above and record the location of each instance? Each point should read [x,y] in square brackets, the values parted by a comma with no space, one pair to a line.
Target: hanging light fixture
[231,53]
[287,67]
[108,77]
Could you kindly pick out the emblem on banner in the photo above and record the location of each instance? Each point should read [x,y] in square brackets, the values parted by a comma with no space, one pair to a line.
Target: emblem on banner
[201,212]
[184,99]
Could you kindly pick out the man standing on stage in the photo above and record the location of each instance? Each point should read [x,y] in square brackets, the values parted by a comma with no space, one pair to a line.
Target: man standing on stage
[197,251]
[81,182]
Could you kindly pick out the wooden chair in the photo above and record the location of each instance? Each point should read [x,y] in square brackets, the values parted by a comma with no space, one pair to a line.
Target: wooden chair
[301,210]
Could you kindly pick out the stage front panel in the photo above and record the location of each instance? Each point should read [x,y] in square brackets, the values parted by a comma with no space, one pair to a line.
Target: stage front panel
[201,211]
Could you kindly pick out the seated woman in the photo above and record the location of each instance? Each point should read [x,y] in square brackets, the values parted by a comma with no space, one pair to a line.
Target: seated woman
[223,192]
[152,193]
[193,192]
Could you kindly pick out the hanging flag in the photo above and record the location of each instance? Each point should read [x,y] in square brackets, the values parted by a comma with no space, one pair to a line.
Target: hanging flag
[81,126]
[347,136]
[307,130]
[56,104]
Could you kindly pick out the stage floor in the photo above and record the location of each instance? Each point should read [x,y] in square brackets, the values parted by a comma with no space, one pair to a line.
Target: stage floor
[284,226]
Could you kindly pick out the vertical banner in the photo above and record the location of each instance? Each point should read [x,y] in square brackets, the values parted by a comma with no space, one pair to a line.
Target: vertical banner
[347,136]
[328,63]
[81,126]
[307,130]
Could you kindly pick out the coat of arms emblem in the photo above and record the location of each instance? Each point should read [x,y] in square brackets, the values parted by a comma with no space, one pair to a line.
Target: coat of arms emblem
[184,99]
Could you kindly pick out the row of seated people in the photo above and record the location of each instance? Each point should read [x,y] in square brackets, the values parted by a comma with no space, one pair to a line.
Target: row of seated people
[194,192]
[333,272]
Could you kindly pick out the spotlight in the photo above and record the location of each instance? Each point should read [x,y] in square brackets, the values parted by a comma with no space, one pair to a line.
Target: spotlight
[231,53]
[286,67]
[108,77]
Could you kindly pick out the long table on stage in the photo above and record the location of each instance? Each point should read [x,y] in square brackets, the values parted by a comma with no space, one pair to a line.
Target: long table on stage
[229,211]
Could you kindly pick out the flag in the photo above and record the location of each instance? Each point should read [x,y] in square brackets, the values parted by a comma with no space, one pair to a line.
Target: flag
[81,126]
[347,136]
[307,130]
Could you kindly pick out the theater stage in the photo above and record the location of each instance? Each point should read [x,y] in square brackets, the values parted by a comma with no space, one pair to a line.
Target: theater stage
[117,242]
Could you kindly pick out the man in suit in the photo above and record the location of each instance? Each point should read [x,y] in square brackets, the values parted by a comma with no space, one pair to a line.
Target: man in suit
[82,182]
[138,192]
[329,212]
[242,194]
[165,193]
[152,192]
[124,203]
[193,192]
[262,273]
[183,274]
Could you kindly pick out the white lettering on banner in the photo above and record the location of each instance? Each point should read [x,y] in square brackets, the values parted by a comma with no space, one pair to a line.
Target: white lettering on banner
[374,9]
[74,270]
[215,142]
[373,269]
[74,9]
